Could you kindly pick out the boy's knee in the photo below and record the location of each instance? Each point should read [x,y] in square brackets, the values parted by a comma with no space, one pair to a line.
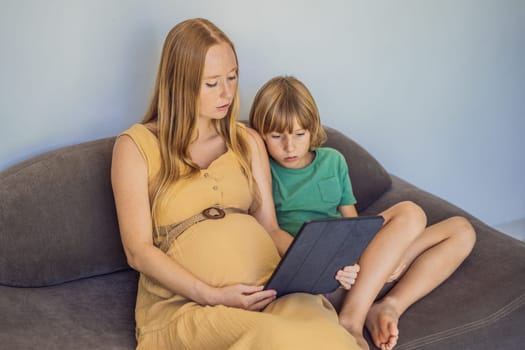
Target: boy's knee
[412,214]
[464,232]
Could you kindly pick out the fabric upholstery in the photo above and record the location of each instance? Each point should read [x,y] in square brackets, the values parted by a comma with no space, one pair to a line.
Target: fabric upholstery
[88,314]
[57,217]
[481,305]
[58,228]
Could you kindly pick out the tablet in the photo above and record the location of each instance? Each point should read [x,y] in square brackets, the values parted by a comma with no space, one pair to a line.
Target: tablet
[319,250]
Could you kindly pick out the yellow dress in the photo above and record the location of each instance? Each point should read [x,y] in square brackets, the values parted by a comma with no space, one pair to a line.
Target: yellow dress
[231,250]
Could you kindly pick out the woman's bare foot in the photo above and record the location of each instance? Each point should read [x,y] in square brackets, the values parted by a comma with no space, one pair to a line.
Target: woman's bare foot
[381,322]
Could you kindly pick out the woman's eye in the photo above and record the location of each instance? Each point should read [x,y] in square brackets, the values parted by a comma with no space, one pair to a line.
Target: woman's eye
[275,136]
[233,77]
[300,133]
[211,84]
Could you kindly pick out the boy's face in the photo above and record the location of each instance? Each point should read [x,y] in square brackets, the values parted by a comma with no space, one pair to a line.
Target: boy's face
[290,150]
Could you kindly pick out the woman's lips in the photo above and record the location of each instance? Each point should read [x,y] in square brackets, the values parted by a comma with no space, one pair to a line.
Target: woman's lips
[290,159]
[224,107]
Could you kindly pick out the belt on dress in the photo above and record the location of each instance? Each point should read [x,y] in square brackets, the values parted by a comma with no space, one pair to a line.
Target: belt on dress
[169,233]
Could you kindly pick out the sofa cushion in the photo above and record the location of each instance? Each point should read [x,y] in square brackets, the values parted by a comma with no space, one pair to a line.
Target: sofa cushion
[369,179]
[92,313]
[482,305]
[57,217]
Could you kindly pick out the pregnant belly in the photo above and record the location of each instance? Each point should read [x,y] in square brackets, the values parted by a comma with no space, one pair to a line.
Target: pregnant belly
[234,249]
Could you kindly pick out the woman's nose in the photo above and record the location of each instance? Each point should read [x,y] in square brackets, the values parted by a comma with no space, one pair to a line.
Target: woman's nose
[227,89]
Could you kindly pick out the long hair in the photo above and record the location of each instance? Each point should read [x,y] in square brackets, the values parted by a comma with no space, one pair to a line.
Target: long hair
[280,102]
[174,106]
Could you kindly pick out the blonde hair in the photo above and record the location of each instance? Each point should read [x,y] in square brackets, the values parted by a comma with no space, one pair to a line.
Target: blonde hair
[280,102]
[174,106]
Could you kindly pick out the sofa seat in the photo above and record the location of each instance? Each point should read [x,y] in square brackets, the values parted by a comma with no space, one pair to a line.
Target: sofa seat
[90,313]
[65,283]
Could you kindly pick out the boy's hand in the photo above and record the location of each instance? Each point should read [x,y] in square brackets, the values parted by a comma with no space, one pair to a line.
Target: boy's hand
[347,276]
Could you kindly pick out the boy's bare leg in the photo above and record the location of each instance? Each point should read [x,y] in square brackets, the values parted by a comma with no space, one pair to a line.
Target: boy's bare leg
[433,257]
[404,222]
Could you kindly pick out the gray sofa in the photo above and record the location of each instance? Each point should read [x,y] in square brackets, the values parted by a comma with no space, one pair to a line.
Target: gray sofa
[65,283]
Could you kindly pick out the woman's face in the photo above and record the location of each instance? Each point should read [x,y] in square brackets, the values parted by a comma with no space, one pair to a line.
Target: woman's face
[219,82]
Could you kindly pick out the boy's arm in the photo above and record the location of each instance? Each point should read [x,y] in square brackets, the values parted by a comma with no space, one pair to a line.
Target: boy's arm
[347,211]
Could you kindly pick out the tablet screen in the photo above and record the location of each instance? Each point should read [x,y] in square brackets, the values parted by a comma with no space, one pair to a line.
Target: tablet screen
[320,249]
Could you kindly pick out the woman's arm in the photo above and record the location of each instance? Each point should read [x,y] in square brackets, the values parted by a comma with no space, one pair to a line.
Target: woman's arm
[265,213]
[129,179]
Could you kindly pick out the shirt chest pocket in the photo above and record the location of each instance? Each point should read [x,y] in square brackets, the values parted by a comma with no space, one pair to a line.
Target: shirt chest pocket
[330,190]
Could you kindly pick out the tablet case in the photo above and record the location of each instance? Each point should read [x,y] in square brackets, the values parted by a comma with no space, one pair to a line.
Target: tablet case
[319,250]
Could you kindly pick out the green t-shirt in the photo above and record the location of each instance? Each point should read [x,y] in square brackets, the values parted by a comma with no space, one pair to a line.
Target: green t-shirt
[313,192]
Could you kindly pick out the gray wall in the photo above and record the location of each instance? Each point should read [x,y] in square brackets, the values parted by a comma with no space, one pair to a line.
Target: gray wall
[434,89]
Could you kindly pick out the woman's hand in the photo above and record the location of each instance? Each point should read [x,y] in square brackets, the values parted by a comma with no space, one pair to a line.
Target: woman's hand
[347,276]
[242,296]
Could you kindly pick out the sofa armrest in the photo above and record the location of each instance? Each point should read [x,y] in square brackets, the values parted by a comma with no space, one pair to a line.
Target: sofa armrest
[57,217]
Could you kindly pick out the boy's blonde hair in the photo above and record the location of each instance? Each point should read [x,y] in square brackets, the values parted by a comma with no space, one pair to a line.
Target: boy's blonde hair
[282,100]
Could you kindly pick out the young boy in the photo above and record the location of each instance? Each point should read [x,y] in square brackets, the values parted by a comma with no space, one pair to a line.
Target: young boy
[310,182]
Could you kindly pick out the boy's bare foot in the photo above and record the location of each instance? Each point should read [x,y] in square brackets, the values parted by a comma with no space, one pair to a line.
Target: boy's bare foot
[381,322]
[356,333]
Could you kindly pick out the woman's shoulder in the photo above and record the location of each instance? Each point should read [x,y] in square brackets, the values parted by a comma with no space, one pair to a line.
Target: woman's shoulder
[144,135]
[253,137]
[145,140]
[141,130]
